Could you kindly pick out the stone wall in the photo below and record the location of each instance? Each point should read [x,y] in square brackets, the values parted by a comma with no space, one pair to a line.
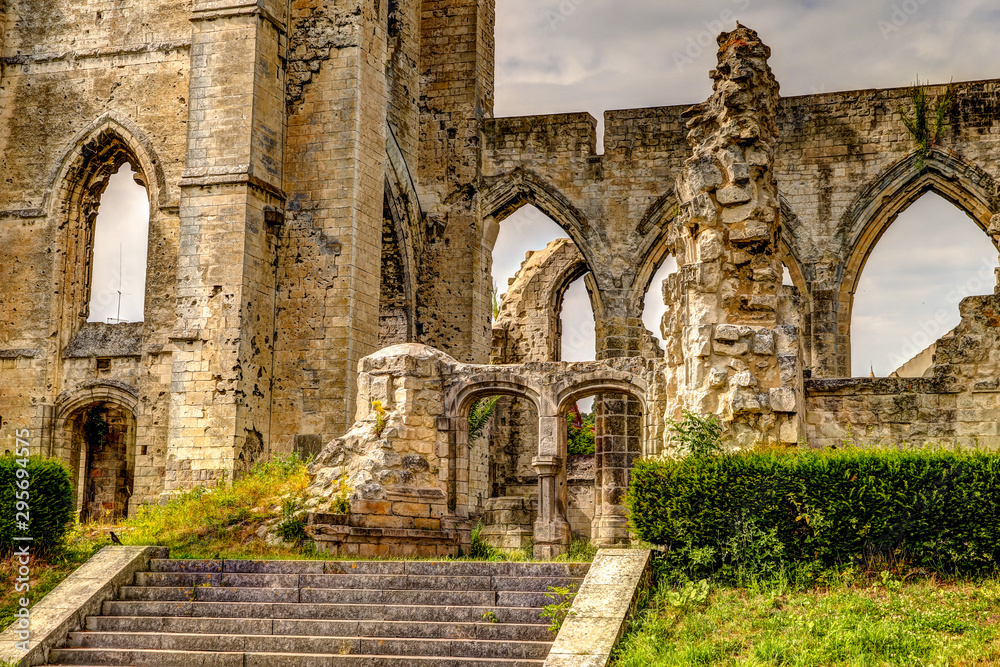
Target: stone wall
[844,164]
[956,403]
[407,464]
[275,141]
[326,179]
[87,87]
[396,465]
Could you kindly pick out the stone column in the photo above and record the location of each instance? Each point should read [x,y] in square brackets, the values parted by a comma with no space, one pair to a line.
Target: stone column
[552,531]
[733,342]
[618,423]
[618,444]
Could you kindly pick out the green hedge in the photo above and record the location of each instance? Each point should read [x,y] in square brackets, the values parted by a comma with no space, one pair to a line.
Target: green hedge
[932,508]
[49,502]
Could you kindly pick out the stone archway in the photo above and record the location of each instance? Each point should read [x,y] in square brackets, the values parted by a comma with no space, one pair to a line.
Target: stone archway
[94,432]
[102,437]
[966,186]
[619,443]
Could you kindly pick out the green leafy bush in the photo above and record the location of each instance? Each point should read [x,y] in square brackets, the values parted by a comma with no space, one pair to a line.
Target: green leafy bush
[697,435]
[48,502]
[291,528]
[580,433]
[928,507]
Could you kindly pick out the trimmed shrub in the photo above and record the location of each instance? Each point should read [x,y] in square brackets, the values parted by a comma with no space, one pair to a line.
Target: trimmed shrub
[927,507]
[49,502]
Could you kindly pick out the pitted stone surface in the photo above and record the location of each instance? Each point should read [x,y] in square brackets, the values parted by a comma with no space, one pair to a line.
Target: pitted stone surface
[326,180]
[723,303]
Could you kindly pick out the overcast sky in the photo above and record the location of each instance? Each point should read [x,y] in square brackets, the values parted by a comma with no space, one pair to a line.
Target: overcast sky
[558,56]
[120,241]
[592,55]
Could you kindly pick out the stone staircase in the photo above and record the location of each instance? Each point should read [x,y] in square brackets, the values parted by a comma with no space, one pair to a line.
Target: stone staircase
[215,613]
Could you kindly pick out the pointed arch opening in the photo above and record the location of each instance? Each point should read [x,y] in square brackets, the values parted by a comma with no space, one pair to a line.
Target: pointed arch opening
[970,189]
[544,302]
[105,229]
[396,302]
[929,259]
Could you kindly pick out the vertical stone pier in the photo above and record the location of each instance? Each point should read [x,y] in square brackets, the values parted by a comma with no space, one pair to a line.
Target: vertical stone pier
[732,350]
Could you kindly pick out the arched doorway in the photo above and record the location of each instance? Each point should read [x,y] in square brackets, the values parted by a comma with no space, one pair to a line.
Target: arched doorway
[102,459]
[618,443]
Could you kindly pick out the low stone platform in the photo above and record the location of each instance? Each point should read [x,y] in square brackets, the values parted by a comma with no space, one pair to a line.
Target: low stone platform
[222,613]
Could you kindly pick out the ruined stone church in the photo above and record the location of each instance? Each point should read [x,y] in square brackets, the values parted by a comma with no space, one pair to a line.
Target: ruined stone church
[326,181]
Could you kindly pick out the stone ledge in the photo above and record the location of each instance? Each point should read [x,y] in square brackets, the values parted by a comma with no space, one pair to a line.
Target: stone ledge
[97,339]
[851,386]
[20,352]
[601,609]
[81,594]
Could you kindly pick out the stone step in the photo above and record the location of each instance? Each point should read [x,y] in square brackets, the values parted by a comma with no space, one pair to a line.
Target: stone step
[310,627]
[207,594]
[427,568]
[160,658]
[333,595]
[356,581]
[461,648]
[221,613]
[367,612]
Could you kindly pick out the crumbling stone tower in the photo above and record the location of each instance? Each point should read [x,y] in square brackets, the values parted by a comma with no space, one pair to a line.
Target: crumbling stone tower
[732,349]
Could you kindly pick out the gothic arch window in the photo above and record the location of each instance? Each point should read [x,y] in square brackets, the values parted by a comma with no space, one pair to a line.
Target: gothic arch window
[108,157]
[926,261]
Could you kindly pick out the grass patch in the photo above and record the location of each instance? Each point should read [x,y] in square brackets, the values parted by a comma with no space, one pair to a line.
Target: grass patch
[223,522]
[45,574]
[857,622]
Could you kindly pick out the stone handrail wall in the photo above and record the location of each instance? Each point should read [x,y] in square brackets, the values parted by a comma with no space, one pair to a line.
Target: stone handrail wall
[81,594]
[602,608]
